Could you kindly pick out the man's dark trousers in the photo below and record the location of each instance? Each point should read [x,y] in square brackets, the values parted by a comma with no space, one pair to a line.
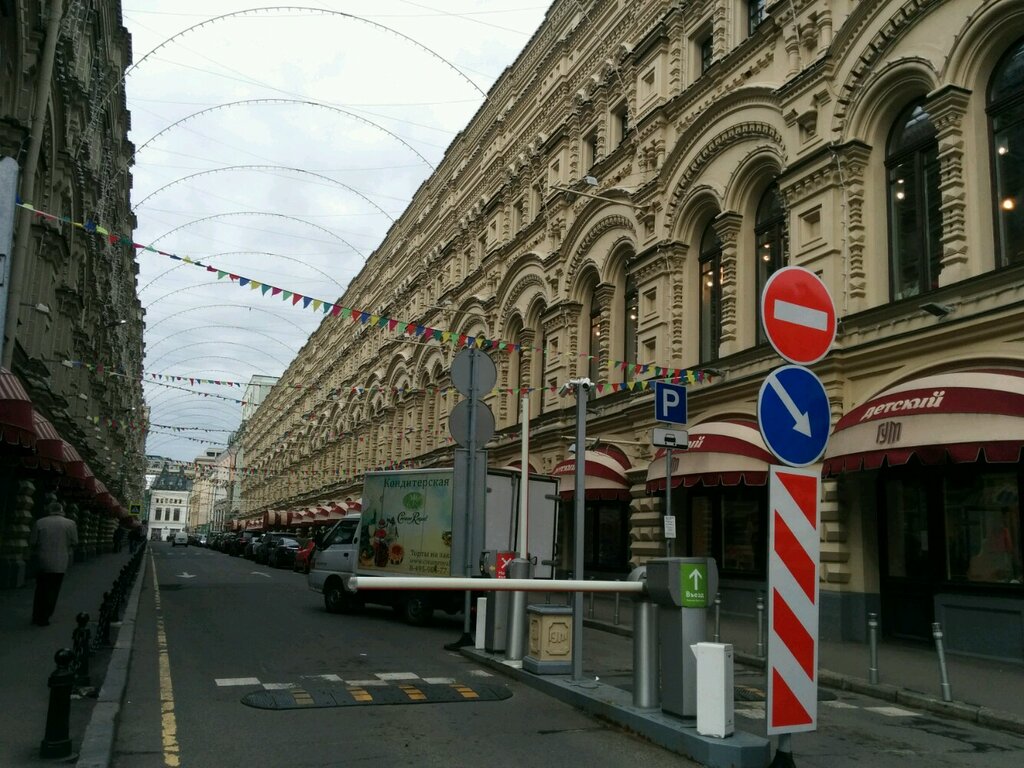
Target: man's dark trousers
[47,589]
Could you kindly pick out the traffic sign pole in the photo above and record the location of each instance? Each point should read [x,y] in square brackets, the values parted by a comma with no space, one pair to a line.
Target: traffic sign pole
[668,497]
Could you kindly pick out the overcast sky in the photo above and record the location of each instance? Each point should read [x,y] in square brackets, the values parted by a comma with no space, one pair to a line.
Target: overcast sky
[353,114]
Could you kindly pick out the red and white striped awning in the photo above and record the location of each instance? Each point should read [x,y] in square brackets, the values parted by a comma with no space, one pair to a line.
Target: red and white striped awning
[16,423]
[49,446]
[958,417]
[727,452]
[604,475]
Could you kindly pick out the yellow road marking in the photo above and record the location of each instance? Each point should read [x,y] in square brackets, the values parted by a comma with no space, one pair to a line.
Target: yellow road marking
[413,693]
[467,692]
[360,694]
[302,697]
[168,722]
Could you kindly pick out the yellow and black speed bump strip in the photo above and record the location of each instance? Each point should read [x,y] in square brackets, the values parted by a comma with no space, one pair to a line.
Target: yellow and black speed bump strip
[348,696]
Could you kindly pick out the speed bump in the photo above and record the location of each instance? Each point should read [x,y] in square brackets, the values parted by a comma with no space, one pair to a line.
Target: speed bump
[349,696]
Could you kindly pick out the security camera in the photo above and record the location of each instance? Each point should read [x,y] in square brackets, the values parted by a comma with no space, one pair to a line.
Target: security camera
[566,389]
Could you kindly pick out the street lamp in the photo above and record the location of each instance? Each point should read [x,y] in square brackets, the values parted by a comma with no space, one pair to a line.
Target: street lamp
[590,181]
[43,309]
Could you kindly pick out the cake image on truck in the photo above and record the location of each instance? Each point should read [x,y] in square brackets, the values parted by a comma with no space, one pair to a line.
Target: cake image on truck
[405,529]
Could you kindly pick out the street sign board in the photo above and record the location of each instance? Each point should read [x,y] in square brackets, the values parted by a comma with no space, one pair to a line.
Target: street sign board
[693,585]
[473,369]
[458,423]
[794,555]
[793,415]
[798,315]
[669,402]
[670,438]
[669,523]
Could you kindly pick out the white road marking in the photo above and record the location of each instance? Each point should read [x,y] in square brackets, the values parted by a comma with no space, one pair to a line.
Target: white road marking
[398,676]
[798,314]
[751,714]
[278,686]
[480,673]
[892,711]
[439,680]
[331,678]
[838,705]
[364,683]
[225,681]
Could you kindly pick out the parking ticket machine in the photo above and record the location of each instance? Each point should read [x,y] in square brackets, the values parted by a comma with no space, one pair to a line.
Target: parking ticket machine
[683,588]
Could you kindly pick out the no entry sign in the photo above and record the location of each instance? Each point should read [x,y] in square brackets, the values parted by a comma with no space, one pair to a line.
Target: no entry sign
[798,315]
[794,554]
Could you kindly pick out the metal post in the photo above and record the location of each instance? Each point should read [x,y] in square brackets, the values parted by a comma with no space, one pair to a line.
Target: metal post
[947,692]
[515,644]
[582,387]
[56,742]
[668,496]
[873,648]
[760,625]
[646,672]
[82,641]
[615,617]
[784,754]
[590,606]
[717,637]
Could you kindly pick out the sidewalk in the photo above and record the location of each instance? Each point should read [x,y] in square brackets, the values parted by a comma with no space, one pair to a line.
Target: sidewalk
[984,691]
[26,658]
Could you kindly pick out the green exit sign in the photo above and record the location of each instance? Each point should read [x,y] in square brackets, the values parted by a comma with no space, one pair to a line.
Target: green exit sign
[693,585]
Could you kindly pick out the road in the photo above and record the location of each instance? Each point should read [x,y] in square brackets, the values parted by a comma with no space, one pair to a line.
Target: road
[216,635]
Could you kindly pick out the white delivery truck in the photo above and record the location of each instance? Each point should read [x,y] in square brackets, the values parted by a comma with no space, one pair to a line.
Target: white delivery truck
[405,529]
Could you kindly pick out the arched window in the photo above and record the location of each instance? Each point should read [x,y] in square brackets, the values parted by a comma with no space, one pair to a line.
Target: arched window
[772,243]
[1006,116]
[915,221]
[630,323]
[594,351]
[710,293]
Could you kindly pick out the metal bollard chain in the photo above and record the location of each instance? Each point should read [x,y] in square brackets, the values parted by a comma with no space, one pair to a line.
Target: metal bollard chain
[82,642]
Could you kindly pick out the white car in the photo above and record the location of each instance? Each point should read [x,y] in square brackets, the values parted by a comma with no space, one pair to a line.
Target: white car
[180,538]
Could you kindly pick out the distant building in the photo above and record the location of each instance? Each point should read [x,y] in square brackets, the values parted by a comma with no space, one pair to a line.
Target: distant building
[168,502]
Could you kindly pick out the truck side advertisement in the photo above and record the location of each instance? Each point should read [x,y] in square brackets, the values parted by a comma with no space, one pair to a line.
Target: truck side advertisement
[406,525]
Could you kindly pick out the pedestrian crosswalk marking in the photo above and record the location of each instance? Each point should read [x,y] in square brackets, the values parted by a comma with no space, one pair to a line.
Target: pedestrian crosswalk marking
[892,711]
[226,681]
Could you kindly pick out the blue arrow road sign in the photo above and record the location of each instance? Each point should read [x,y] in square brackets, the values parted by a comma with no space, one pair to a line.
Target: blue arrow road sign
[794,416]
[669,402]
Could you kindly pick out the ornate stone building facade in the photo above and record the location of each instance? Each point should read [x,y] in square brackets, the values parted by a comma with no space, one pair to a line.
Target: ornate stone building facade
[620,200]
[73,330]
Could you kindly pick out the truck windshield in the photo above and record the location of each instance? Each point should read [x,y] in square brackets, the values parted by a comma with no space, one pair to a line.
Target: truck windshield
[342,533]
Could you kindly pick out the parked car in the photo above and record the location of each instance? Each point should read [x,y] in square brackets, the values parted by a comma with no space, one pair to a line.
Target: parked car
[241,541]
[281,551]
[304,556]
[261,552]
[180,538]
[251,546]
[204,540]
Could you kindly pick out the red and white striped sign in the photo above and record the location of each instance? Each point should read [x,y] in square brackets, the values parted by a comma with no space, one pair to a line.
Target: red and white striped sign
[794,555]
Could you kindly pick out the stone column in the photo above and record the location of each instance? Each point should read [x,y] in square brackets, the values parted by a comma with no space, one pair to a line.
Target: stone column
[605,296]
[727,226]
[17,524]
[947,107]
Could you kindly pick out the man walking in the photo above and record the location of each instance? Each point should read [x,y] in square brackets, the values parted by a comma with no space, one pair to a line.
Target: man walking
[52,539]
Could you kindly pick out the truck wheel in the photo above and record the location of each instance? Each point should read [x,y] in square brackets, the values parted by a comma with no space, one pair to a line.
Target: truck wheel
[416,610]
[334,597]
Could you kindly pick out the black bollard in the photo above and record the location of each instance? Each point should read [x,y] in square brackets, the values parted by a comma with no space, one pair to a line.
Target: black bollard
[103,627]
[57,743]
[82,640]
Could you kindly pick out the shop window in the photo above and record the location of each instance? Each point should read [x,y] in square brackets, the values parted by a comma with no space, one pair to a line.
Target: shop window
[1006,117]
[915,221]
[730,524]
[772,245]
[983,528]
[908,540]
[606,537]
[710,293]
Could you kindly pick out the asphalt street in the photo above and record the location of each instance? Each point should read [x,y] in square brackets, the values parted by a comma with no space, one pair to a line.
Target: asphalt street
[219,638]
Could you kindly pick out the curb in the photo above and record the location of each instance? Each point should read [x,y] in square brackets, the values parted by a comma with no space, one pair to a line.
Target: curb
[958,710]
[98,742]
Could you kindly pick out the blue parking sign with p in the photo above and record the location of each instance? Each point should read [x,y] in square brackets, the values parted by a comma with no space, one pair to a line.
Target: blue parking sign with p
[670,402]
